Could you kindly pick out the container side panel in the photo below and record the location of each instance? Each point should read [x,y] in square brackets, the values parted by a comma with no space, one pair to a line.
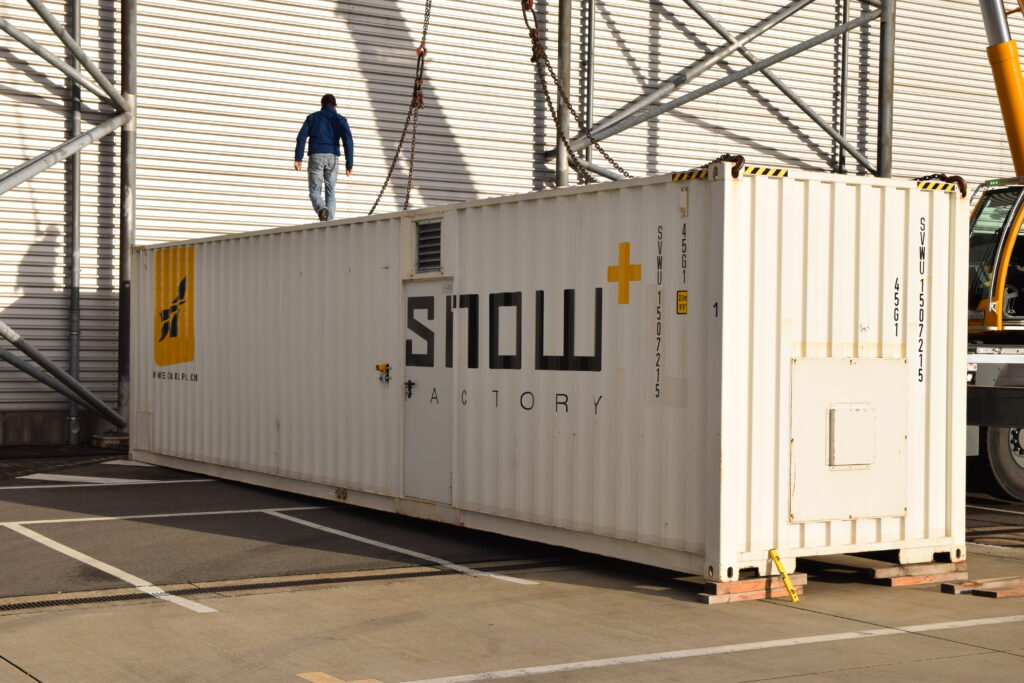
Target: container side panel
[288,329]
[584,410]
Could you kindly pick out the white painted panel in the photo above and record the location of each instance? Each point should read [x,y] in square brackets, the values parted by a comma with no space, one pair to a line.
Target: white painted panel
[848,438]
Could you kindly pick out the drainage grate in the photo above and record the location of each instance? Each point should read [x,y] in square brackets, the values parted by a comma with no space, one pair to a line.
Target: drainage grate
[62,602]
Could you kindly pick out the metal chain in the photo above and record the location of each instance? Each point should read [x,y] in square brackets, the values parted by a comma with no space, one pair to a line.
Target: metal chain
[538,55]
[412,115]
[737,161]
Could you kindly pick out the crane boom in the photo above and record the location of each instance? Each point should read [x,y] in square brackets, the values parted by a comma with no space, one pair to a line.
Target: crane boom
[1004,58]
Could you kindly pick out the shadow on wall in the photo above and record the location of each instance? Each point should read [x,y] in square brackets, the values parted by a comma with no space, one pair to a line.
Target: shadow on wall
[440,176]
[39,313]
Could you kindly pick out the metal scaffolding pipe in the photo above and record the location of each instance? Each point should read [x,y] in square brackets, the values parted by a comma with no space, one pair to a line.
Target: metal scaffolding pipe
[599,170]
[681,78]
[886,82]
[35,166]
[79,54]
[73,243]
[588,115]
[8,28]
[58,375]
[564,78]
[44,378]
[129,78]
[844,78]
[651,112]
[993,13]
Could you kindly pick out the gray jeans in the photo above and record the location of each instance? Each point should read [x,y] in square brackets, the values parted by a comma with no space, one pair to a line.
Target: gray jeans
[323,172]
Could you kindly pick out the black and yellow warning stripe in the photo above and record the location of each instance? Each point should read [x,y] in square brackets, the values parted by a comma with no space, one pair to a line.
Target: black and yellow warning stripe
[695,174]
[701,173]
[765,171]
[936,185]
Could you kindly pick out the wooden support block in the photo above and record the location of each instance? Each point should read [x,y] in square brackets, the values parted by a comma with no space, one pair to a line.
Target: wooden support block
[958,587]
[920,569]
[722,598]
[761,584]
[1000,592]
[898,581]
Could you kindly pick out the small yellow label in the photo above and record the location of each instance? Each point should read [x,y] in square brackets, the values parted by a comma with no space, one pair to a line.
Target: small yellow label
[681,302]
[174,294]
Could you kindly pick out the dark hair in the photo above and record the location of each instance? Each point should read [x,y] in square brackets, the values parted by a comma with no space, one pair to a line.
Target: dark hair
[328,101]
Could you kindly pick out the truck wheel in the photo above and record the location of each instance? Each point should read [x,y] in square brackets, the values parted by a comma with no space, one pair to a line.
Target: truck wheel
[1005,454]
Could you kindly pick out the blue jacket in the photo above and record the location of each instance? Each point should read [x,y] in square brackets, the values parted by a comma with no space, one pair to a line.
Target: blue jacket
[324,128]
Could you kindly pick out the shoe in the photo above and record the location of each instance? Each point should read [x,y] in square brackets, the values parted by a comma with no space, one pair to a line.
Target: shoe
[323,214]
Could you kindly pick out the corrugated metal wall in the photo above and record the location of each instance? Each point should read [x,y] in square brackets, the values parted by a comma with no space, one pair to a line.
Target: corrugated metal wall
[224,87]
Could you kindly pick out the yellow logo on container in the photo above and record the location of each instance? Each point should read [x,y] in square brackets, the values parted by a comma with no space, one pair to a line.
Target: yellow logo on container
[174,332]
[624,273]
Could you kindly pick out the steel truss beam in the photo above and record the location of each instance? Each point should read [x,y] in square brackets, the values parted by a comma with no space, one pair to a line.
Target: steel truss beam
[34,167]
[644,108]
[79,54]
[124,102]
[11,30]
[105,91]
[58,375]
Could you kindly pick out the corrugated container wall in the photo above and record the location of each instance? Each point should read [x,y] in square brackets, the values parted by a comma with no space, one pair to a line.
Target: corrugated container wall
[223,88]
[685,374]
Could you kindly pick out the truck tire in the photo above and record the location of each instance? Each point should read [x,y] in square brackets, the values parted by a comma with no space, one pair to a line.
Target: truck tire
[1005,455]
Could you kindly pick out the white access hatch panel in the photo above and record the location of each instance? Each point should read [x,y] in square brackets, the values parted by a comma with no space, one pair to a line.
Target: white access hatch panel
[849,438]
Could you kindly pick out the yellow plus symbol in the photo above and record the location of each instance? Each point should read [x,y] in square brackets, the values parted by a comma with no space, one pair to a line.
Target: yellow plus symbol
[624,273]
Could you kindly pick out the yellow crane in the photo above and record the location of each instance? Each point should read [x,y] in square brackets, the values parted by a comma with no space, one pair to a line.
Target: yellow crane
[996,280]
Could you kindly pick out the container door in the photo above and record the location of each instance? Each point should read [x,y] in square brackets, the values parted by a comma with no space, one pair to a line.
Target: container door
[427,468]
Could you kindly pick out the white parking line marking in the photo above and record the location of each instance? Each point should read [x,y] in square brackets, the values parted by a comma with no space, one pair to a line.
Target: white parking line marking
[65,520]
[1008,512]
[126,482]
[721,649]
[130,463]
[141,584]
[79,479]
[404,551]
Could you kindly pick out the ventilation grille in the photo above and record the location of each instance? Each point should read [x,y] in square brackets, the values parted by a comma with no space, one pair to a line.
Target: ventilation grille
[428,247]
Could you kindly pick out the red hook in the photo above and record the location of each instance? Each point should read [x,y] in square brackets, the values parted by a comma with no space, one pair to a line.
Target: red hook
[527,4]
[421,51]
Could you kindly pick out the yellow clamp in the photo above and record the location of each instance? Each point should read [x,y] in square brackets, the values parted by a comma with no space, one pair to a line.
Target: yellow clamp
[785,577]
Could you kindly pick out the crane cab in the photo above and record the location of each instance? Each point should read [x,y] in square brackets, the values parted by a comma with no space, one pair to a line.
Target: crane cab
[996,279]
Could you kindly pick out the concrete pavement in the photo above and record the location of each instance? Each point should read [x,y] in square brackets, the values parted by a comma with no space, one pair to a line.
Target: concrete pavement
[288,601]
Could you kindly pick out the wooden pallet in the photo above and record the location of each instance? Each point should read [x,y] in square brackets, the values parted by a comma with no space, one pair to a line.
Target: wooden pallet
[896,575]
[761,588]
[1003,587]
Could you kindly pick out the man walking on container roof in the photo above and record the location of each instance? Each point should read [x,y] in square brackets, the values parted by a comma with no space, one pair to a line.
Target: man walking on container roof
[324,128]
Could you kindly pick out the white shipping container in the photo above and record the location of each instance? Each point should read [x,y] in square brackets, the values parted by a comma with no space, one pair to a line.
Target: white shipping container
[680,373]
